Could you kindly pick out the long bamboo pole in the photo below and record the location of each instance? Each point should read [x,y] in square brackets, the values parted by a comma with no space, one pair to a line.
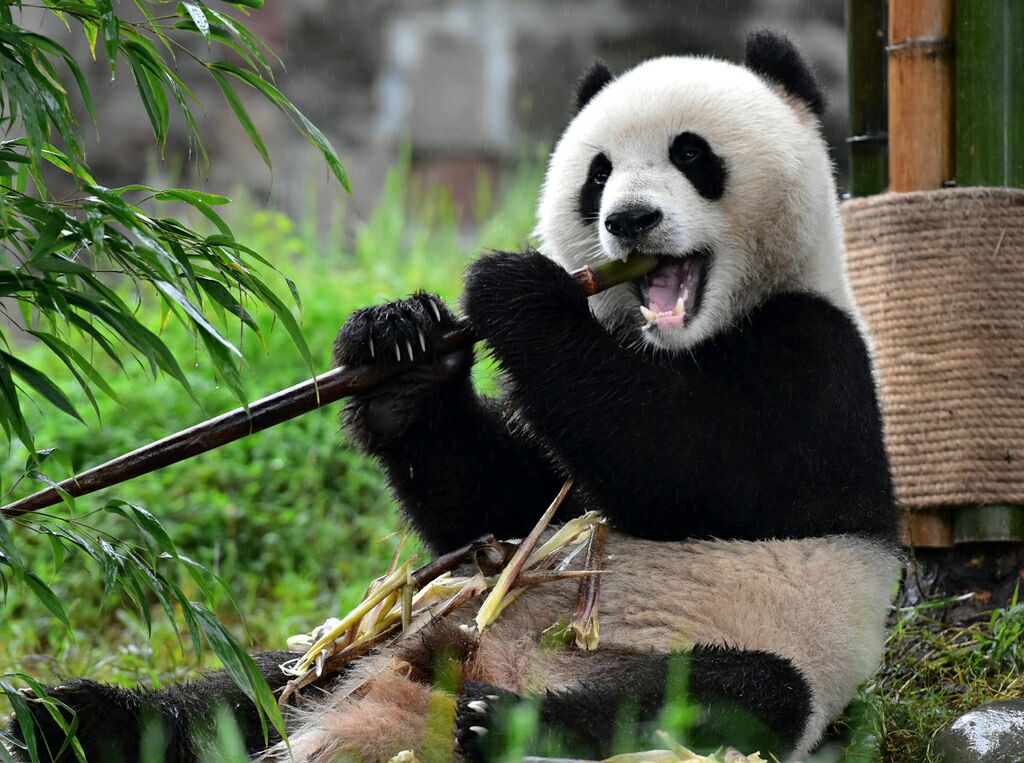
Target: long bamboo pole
[989,152]
[920,94]
[869,114]
[281,406]
[990,93]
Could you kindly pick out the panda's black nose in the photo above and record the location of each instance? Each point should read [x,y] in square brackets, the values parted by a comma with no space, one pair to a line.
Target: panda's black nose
[632,222]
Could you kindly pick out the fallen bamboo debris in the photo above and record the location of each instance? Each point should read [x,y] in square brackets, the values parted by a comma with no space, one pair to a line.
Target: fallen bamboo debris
[402,601]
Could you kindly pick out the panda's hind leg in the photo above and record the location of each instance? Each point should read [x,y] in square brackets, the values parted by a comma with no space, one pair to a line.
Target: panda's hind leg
[746,699]
[112,721]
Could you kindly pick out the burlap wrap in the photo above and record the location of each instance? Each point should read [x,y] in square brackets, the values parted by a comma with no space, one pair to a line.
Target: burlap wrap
[939,276]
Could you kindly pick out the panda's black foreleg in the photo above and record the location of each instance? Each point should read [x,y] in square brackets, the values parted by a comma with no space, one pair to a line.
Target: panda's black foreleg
[113,721]
[452,459]
[708,698]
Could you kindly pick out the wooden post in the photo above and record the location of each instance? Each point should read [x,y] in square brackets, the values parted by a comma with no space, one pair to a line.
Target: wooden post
[920,64]
[920,94]
[990,93]
[869,114]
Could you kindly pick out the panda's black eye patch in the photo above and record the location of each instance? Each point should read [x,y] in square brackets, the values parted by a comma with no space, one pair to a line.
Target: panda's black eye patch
[593,188]
[692,156]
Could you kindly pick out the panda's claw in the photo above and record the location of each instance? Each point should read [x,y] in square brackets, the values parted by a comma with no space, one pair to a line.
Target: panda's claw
[423,341]
[478,705]
[480,731]
[437,313]
[408,348]
[398,353]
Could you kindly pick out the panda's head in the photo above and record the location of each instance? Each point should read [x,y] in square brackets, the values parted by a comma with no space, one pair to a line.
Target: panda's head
[718,169]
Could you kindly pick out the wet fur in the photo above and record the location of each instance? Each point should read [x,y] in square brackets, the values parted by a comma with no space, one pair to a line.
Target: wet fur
[757,424]
[802,623]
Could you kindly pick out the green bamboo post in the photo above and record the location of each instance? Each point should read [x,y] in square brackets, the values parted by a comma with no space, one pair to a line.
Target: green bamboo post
[869,115]
[990,93]
[989,152]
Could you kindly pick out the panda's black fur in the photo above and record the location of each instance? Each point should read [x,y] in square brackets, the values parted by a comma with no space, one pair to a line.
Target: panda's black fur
[767,430]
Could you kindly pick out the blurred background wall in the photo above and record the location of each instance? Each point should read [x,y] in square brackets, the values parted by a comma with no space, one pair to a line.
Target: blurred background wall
[469,85]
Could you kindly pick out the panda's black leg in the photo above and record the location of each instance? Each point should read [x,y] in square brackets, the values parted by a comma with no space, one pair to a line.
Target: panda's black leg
[453,461]
[112,721]
[746,699]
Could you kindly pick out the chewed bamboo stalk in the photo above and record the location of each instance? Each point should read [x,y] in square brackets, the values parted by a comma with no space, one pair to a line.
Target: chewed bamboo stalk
[585,625]
[489,609]
[403,601]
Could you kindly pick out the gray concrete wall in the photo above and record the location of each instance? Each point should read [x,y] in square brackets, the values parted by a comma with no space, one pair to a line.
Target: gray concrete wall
[470,83]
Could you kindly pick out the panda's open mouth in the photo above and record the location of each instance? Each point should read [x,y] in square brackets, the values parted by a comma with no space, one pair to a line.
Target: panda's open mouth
[671,293]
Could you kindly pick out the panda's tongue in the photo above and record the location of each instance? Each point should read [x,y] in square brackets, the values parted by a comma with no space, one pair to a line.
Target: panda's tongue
[671,290]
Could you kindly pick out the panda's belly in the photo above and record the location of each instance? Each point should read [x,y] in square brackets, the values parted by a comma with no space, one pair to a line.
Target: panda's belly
[820,602]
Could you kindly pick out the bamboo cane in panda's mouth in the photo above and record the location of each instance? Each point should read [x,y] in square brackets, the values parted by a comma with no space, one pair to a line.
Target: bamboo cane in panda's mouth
[284,405]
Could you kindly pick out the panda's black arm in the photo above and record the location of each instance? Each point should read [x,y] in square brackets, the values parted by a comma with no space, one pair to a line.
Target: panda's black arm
[771,430]
[112,720]
[457,467]
[458,473]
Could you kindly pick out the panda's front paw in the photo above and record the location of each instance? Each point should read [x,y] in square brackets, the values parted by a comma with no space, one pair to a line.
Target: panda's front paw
[392,334]
[395,332]
[508,292]
[480,718]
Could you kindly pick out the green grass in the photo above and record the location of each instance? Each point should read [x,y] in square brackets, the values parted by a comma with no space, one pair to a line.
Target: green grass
[292,518]
[935,671]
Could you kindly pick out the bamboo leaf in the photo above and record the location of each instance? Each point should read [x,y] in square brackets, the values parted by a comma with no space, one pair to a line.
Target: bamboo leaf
[110,25]
[41,384]
[46,596]
[198,17]
[241,115]
[175,295]
[312,133]
[241,668]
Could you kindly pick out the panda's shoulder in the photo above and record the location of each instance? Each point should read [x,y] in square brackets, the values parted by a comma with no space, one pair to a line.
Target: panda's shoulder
[802,322]
[795,339]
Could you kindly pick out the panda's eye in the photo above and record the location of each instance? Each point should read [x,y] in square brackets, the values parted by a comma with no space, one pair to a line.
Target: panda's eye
[600,170]
[686,149]
[694,157]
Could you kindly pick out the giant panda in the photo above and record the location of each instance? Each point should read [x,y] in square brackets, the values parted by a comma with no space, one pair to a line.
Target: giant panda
[720,412]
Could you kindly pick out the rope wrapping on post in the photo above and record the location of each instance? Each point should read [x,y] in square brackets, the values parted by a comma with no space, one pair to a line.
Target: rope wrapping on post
[939,277]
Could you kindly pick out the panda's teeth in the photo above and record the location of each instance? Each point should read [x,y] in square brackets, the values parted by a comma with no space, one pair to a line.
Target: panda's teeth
[680,308]
[650,315]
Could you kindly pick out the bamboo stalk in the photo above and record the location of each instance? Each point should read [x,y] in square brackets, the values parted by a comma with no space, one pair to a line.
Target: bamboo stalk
[920,77]
[869,114]
[990,93]
[920,94]
[281,406]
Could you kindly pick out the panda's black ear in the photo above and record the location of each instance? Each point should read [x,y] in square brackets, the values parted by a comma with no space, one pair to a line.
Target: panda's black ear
[591,83]
[772,56]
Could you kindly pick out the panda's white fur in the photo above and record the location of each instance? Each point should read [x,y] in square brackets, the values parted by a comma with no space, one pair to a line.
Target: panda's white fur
[819,599]
[819,602]
[777,227]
